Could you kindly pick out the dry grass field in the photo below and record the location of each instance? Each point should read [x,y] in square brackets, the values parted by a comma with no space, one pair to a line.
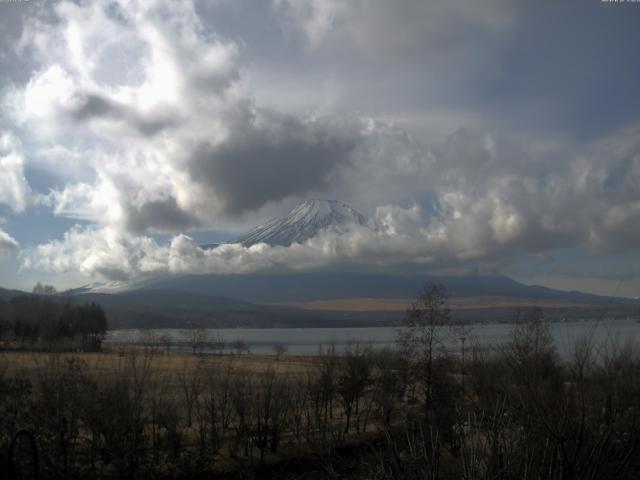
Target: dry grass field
[113,360]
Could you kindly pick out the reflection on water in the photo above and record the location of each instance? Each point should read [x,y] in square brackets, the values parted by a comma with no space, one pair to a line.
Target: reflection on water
[307,341]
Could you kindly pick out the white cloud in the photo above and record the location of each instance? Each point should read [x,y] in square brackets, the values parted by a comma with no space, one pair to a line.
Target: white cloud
[14,189]
[8,244]
[314,17]
[95,251]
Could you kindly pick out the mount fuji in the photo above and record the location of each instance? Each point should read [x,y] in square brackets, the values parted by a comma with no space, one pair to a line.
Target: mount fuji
[302,223]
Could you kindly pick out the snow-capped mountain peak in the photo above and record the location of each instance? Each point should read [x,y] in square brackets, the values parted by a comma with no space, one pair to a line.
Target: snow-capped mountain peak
[303,222]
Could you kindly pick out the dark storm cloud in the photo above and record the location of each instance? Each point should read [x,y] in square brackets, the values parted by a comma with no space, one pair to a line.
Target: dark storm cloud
[553,67]
[161,215]
[90,106]
[14,67]
[567,67]
[95,106]
[270,157]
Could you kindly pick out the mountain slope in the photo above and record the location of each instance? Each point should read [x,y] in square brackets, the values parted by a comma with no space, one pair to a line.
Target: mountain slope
[7,294]
[179,309]
[297,287]
[302,223]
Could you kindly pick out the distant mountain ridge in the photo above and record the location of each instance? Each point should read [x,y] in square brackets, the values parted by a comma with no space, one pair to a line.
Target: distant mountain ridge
[174,309]
[295,287]
[8,294]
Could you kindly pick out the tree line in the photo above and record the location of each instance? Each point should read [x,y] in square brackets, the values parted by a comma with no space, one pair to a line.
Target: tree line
[45,321]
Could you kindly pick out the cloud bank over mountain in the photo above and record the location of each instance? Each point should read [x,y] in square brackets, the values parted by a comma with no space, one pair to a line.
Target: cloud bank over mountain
[156,120]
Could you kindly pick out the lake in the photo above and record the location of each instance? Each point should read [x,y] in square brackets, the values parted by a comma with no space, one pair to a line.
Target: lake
[307,341]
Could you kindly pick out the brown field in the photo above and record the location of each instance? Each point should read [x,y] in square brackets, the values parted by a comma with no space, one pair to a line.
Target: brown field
[400,304]
[118,359]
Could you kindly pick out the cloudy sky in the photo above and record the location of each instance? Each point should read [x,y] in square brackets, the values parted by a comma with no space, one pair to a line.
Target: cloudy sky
[486,135]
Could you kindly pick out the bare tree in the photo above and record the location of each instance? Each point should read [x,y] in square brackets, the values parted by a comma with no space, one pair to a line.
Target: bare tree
[197,338]
[166,342]
[216,409]
[279,349]
[270,404]
[388,385]
[40,289]
[218,343]
[240,346]
[353,379]
[191,384]
[422,334]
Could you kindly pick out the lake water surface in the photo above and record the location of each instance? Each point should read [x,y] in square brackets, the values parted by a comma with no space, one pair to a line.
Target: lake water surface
[308,341]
